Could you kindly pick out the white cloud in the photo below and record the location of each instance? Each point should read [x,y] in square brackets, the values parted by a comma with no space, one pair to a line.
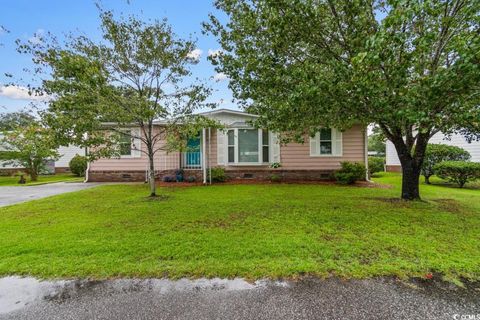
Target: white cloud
[195,54]
[37,37]
[214,52]
[220,77]
[19,93]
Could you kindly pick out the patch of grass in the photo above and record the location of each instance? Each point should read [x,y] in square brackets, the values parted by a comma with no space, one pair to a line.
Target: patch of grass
[61,177]
[252,231]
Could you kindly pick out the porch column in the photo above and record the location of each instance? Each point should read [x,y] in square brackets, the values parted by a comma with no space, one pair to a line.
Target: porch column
[204,155]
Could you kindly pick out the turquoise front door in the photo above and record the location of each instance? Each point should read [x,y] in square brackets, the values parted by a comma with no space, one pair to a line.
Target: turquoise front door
[193,156]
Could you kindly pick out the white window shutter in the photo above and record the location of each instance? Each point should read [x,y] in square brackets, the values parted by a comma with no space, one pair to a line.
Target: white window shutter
[136,143]
[337,142]
[221,147]
[274,148]
[314,145]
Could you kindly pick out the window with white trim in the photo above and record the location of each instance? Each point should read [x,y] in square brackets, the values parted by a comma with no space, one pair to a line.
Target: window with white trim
[125,143]
[231,146]
[327,142]
[265,147]
[248,146]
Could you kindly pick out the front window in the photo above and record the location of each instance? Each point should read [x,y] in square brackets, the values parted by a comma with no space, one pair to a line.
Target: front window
[125,144]
[265,146]
[248,146]
[231,146]
[326,141]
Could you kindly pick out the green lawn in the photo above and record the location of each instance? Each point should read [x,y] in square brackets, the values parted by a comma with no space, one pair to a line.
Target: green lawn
[251,231]
[61,177]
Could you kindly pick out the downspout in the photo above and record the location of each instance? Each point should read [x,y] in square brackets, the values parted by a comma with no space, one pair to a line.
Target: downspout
[88,167]
[367,178]
[204,149]
[209,154]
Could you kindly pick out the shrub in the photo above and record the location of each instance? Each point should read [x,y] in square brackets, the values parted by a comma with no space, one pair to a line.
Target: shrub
[78,165]
[459,172]
[21,177]
[376,164]
[168,179]
[437,153]
[218,174]
[350,172]
[275,165]
[275,178]
[191,179]
[179,175]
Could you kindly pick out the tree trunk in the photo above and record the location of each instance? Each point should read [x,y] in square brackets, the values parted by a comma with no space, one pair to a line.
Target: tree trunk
[411,164]
[33,174]
[33,171]
[410,180]
[151,178]
[427,179]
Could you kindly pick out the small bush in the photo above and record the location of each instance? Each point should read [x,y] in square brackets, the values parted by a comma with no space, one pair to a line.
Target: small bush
[218,174]
[78,165]
[168,179]
[459,172]
[21,177]
[275,178]
[191,179]
[179,175]
[437,153]
[350,172]
[275,165]
[376,164]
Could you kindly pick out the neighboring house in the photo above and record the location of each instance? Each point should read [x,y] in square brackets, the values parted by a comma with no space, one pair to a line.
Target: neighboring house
[66,154]
[61,165]
[393,163]
[243,151]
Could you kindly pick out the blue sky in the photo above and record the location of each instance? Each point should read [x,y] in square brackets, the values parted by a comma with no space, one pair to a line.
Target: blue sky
[25,17]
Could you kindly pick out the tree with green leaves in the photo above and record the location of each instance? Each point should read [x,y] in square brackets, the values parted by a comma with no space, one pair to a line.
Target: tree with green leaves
[137,76]
[436,153]
[3,30]
[11,120]
[377,142]
[30,147]
[411,67]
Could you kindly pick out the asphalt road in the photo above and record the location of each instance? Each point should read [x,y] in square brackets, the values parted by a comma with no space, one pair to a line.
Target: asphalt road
[311,298]
[17,194]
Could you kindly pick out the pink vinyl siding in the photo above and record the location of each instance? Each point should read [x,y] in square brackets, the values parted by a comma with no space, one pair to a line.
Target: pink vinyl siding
[293,156]
[296,156]
[163,161]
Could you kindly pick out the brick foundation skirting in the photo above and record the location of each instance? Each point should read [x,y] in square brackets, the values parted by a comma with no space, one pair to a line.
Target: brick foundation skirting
[266,175]
[62,170]
[282,175]
[394,168]
[10,171]
[116,176]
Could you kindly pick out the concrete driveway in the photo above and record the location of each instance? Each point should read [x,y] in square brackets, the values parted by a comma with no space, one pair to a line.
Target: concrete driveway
[381,298]
[12,195]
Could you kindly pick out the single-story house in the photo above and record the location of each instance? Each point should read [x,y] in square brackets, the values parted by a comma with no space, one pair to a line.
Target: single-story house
[243,151]
[393,163]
